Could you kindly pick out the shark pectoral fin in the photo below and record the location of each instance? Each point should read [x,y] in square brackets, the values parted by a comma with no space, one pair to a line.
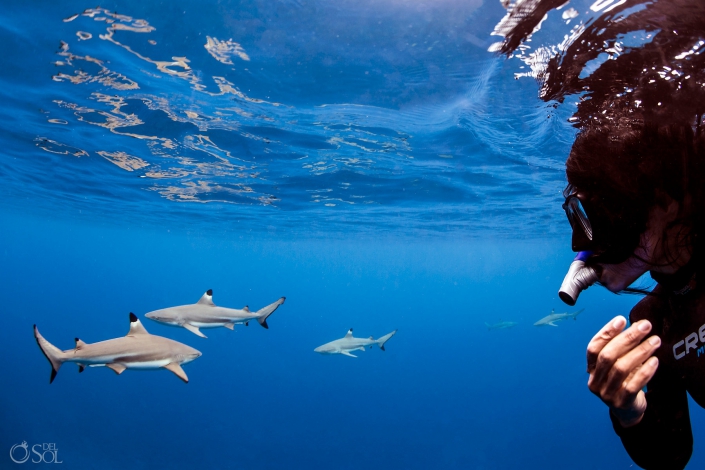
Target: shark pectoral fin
[176,368]
[118,368]
[230,326]
[347,353]
[551,323]
[194,330]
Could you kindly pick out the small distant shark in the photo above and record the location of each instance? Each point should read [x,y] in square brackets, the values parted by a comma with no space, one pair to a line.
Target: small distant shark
[502,325]
[554,317]
[205,314]
[349,343]
[137,350]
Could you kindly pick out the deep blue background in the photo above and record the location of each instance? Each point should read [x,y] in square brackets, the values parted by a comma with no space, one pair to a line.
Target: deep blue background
[447,392]
[404,180]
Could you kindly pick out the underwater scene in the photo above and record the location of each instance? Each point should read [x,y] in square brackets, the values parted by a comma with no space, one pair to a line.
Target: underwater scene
[269,234]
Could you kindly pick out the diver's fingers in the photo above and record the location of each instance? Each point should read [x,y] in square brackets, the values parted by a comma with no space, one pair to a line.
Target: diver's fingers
[634,399]
[618,347]
[600,340]
[638,381]
[625,369]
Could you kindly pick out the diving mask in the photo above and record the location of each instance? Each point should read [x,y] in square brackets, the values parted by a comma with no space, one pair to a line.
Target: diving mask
[610,235]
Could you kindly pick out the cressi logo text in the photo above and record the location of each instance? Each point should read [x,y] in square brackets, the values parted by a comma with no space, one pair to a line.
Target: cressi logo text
[690,343]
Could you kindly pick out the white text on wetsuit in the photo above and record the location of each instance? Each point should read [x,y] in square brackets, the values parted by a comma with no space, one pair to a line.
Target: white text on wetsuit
[683,347]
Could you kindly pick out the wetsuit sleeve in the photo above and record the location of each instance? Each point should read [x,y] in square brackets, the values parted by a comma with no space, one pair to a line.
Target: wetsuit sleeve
[663,439]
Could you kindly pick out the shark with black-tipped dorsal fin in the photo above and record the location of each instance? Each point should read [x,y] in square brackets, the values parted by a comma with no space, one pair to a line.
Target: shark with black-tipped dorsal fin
[553,317]
[349,343]
[137,350]
[502,325]
[205,314]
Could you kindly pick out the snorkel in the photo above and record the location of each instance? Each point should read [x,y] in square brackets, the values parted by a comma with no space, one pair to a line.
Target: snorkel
[580,276]
[596,236]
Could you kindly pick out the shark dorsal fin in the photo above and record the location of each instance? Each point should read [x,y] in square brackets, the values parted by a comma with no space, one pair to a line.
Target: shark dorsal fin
[349,333]
[79,343]
[207,298]
[136,327]
[246,308]
[372,338]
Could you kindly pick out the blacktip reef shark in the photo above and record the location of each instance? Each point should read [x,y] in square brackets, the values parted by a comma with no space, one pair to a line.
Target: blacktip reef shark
[553,317]
[205,314]
[349,343]
[137,350]
[502,325]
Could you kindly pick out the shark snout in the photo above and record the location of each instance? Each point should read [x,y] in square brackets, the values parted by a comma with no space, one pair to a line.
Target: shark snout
[189,355]
[161,317]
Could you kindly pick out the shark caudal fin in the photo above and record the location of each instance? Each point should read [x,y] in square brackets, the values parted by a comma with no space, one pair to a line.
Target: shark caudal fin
[575,314]
[55,355]
[263,313]
[384,339]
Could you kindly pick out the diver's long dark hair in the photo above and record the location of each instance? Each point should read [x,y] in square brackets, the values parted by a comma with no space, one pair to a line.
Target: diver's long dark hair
[632,164]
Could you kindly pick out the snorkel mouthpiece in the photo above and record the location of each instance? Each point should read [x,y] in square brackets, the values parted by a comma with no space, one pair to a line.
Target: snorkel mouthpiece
[580,276]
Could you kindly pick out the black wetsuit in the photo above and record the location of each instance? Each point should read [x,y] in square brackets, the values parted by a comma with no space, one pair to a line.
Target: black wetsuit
[663,439]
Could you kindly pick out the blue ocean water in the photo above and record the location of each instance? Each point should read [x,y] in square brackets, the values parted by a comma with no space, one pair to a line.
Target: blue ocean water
[370,161]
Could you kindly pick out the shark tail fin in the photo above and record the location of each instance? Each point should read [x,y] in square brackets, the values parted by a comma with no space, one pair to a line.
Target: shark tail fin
[489,327]
[55,355]
[384,339]
[265,312]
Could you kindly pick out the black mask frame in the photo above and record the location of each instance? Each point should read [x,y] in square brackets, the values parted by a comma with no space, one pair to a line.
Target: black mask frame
[612,240]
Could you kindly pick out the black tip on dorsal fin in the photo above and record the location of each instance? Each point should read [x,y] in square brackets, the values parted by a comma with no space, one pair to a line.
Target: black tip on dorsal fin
[350,330]
[133,317]
[76,339]
[210,292]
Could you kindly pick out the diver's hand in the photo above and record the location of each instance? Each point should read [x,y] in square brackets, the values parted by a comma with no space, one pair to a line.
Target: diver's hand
[620,365]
